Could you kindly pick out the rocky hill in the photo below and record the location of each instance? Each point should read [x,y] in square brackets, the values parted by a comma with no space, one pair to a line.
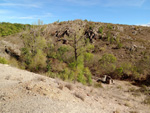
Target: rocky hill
[77,52]
[121,51]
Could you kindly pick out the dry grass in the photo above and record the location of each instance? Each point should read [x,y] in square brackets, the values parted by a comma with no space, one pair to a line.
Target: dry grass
[132,89]
[80,96]
[69,86]
[128,104]
[134,112]
[147,100]
[117,111]
[14,62]
[98,85]
[119,87]
[41,79]
[61,86]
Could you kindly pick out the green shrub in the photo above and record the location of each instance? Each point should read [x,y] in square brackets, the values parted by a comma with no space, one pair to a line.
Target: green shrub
[127,67]
[108,34]
[85,20]
[33,55]
[107,63]
[89,26]
[65,74]
[38,61]
[119,45]
[107,59]
[71,76]
[88,56]
[111,40]
[100,30]
[80,70]
[26,56]
[52,74]
[3,60]
[109,26]
[98,85]
[127,71]
[118,72]
[61,51]
[72,65]
[51,52]
[81,78]
[9,29]
[88,75]
[118,39]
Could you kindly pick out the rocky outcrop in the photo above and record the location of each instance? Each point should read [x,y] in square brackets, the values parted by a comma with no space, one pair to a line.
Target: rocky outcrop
[106,79]
[10,50]
[60,34]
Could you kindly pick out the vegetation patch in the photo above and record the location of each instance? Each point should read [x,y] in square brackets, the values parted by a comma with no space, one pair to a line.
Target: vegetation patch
[3,60]
[9,29]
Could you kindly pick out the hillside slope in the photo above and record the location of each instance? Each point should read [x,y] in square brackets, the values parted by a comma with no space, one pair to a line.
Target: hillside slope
[129,45]
[22,92]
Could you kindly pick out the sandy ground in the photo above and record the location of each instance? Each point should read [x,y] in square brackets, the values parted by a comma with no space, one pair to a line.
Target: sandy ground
[25,92]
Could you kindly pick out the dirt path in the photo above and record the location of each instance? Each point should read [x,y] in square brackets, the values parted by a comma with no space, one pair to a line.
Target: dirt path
[26,92]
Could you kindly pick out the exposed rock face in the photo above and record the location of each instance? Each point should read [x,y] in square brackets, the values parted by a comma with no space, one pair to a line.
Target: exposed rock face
[89,34]
[64,41]
[60,34]
[8,49]
[13,52]
[121,29]
[134,32]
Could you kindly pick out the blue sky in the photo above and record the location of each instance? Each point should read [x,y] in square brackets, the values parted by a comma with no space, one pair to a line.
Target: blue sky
[132,12]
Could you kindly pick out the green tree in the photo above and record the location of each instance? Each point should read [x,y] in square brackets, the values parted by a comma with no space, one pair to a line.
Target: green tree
[33,54]
[107,63]
[81,52]
[38,62]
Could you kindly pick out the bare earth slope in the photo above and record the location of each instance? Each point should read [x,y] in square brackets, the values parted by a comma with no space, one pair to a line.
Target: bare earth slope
[26,92]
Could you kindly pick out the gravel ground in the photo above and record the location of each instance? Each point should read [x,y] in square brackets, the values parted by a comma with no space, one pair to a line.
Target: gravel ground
[25,92]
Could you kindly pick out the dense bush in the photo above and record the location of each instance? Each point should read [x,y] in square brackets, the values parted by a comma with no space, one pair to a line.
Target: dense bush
[38,61]
[88,75]
[61,52]
[100,30]
[119,45]
[125,71]
[32,55]
[107,59]
[109,26]
[107,63]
